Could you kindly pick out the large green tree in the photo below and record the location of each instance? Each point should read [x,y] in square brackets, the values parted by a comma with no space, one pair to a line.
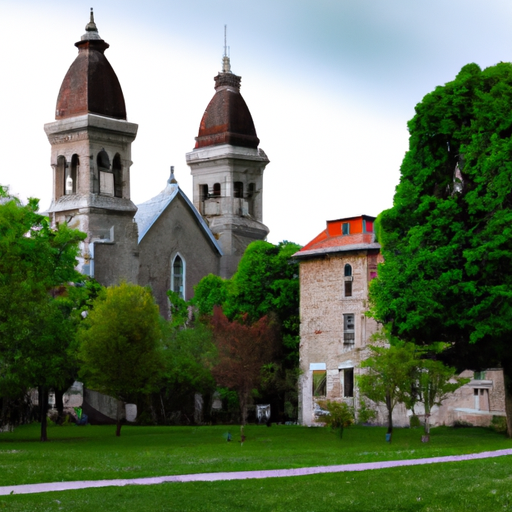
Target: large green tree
[35,335]
[447,240]
[120,344]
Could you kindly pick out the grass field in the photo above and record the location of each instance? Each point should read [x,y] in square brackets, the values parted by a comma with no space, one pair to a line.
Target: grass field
[93,453]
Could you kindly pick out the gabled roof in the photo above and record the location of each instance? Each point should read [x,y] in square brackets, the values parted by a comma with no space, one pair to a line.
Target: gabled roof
[149,212]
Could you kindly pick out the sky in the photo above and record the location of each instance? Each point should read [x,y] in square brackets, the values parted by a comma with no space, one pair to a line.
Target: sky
[330,85]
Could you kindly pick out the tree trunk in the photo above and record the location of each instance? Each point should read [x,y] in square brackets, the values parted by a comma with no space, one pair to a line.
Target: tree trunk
[118,417]
[242,398]
[390,416]
[507,378]
[59,404]
[43,408]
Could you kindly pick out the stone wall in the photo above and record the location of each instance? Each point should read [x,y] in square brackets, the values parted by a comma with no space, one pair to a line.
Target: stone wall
[175,231]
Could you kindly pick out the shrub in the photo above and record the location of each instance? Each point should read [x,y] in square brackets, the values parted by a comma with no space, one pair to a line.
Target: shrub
[414,421]
[340,414]
[499,424]
[364,414]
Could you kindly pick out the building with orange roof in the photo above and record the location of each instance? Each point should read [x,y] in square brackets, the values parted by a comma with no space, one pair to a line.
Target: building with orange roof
[336,268]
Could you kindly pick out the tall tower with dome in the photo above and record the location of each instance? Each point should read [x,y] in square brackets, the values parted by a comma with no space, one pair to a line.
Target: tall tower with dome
[91,158]
[227,168]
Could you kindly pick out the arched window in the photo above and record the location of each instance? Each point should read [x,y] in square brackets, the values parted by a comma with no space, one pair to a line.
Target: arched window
[106,174]
[348,280]
[118,176]
[71,176]
[60,177]
[216,189]
[178,276]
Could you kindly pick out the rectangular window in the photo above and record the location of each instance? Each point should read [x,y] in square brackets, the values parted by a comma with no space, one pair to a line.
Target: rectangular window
[348,382]
[479,376]
[238,188]
[345,228]
[319,382]
[348,288]
[203,192]
[349,335]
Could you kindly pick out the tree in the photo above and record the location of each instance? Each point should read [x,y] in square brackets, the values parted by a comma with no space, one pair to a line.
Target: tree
[389,376]
[447,241]
[188,359]
[433,382]
[243,348]
[120,344]
[266,283]
[34,334]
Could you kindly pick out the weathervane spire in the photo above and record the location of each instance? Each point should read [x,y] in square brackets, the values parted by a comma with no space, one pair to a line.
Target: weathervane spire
[226,64]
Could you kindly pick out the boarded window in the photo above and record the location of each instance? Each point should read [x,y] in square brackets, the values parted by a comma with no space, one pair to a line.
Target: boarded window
[319,382]
[348,288]
[105,173]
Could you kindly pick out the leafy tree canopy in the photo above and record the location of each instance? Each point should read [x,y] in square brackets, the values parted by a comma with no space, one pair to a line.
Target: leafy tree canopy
[120,343]
[447,241]
[267,281]
[35,331]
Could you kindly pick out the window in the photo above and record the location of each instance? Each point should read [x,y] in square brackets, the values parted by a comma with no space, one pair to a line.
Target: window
[319,382]
[345,228]
[348,382]
[106,174]
[203,192]
[238,188]
[479,376]
[348,280]
[367,226]
[250,192]
[71,176]
[348,329]
[60,176]
[216,189]
[178,276]
[118,176]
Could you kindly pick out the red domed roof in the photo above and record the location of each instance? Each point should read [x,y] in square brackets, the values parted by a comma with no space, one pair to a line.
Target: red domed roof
[227,119]
[91,85]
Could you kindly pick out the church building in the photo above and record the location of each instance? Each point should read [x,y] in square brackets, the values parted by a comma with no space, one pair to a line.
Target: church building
[168,242]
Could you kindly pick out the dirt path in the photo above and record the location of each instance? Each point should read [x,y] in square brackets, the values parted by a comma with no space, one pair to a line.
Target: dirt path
[242,475]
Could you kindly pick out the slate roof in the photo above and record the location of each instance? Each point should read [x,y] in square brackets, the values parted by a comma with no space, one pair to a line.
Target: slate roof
[149,212]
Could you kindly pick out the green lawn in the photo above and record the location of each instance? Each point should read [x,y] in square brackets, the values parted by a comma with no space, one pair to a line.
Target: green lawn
[93,453]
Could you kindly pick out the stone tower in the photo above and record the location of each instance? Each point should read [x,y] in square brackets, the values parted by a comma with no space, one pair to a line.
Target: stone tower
[227,168]
[91,158]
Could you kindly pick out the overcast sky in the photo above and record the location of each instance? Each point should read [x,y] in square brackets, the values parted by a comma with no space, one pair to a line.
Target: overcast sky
[330,84]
